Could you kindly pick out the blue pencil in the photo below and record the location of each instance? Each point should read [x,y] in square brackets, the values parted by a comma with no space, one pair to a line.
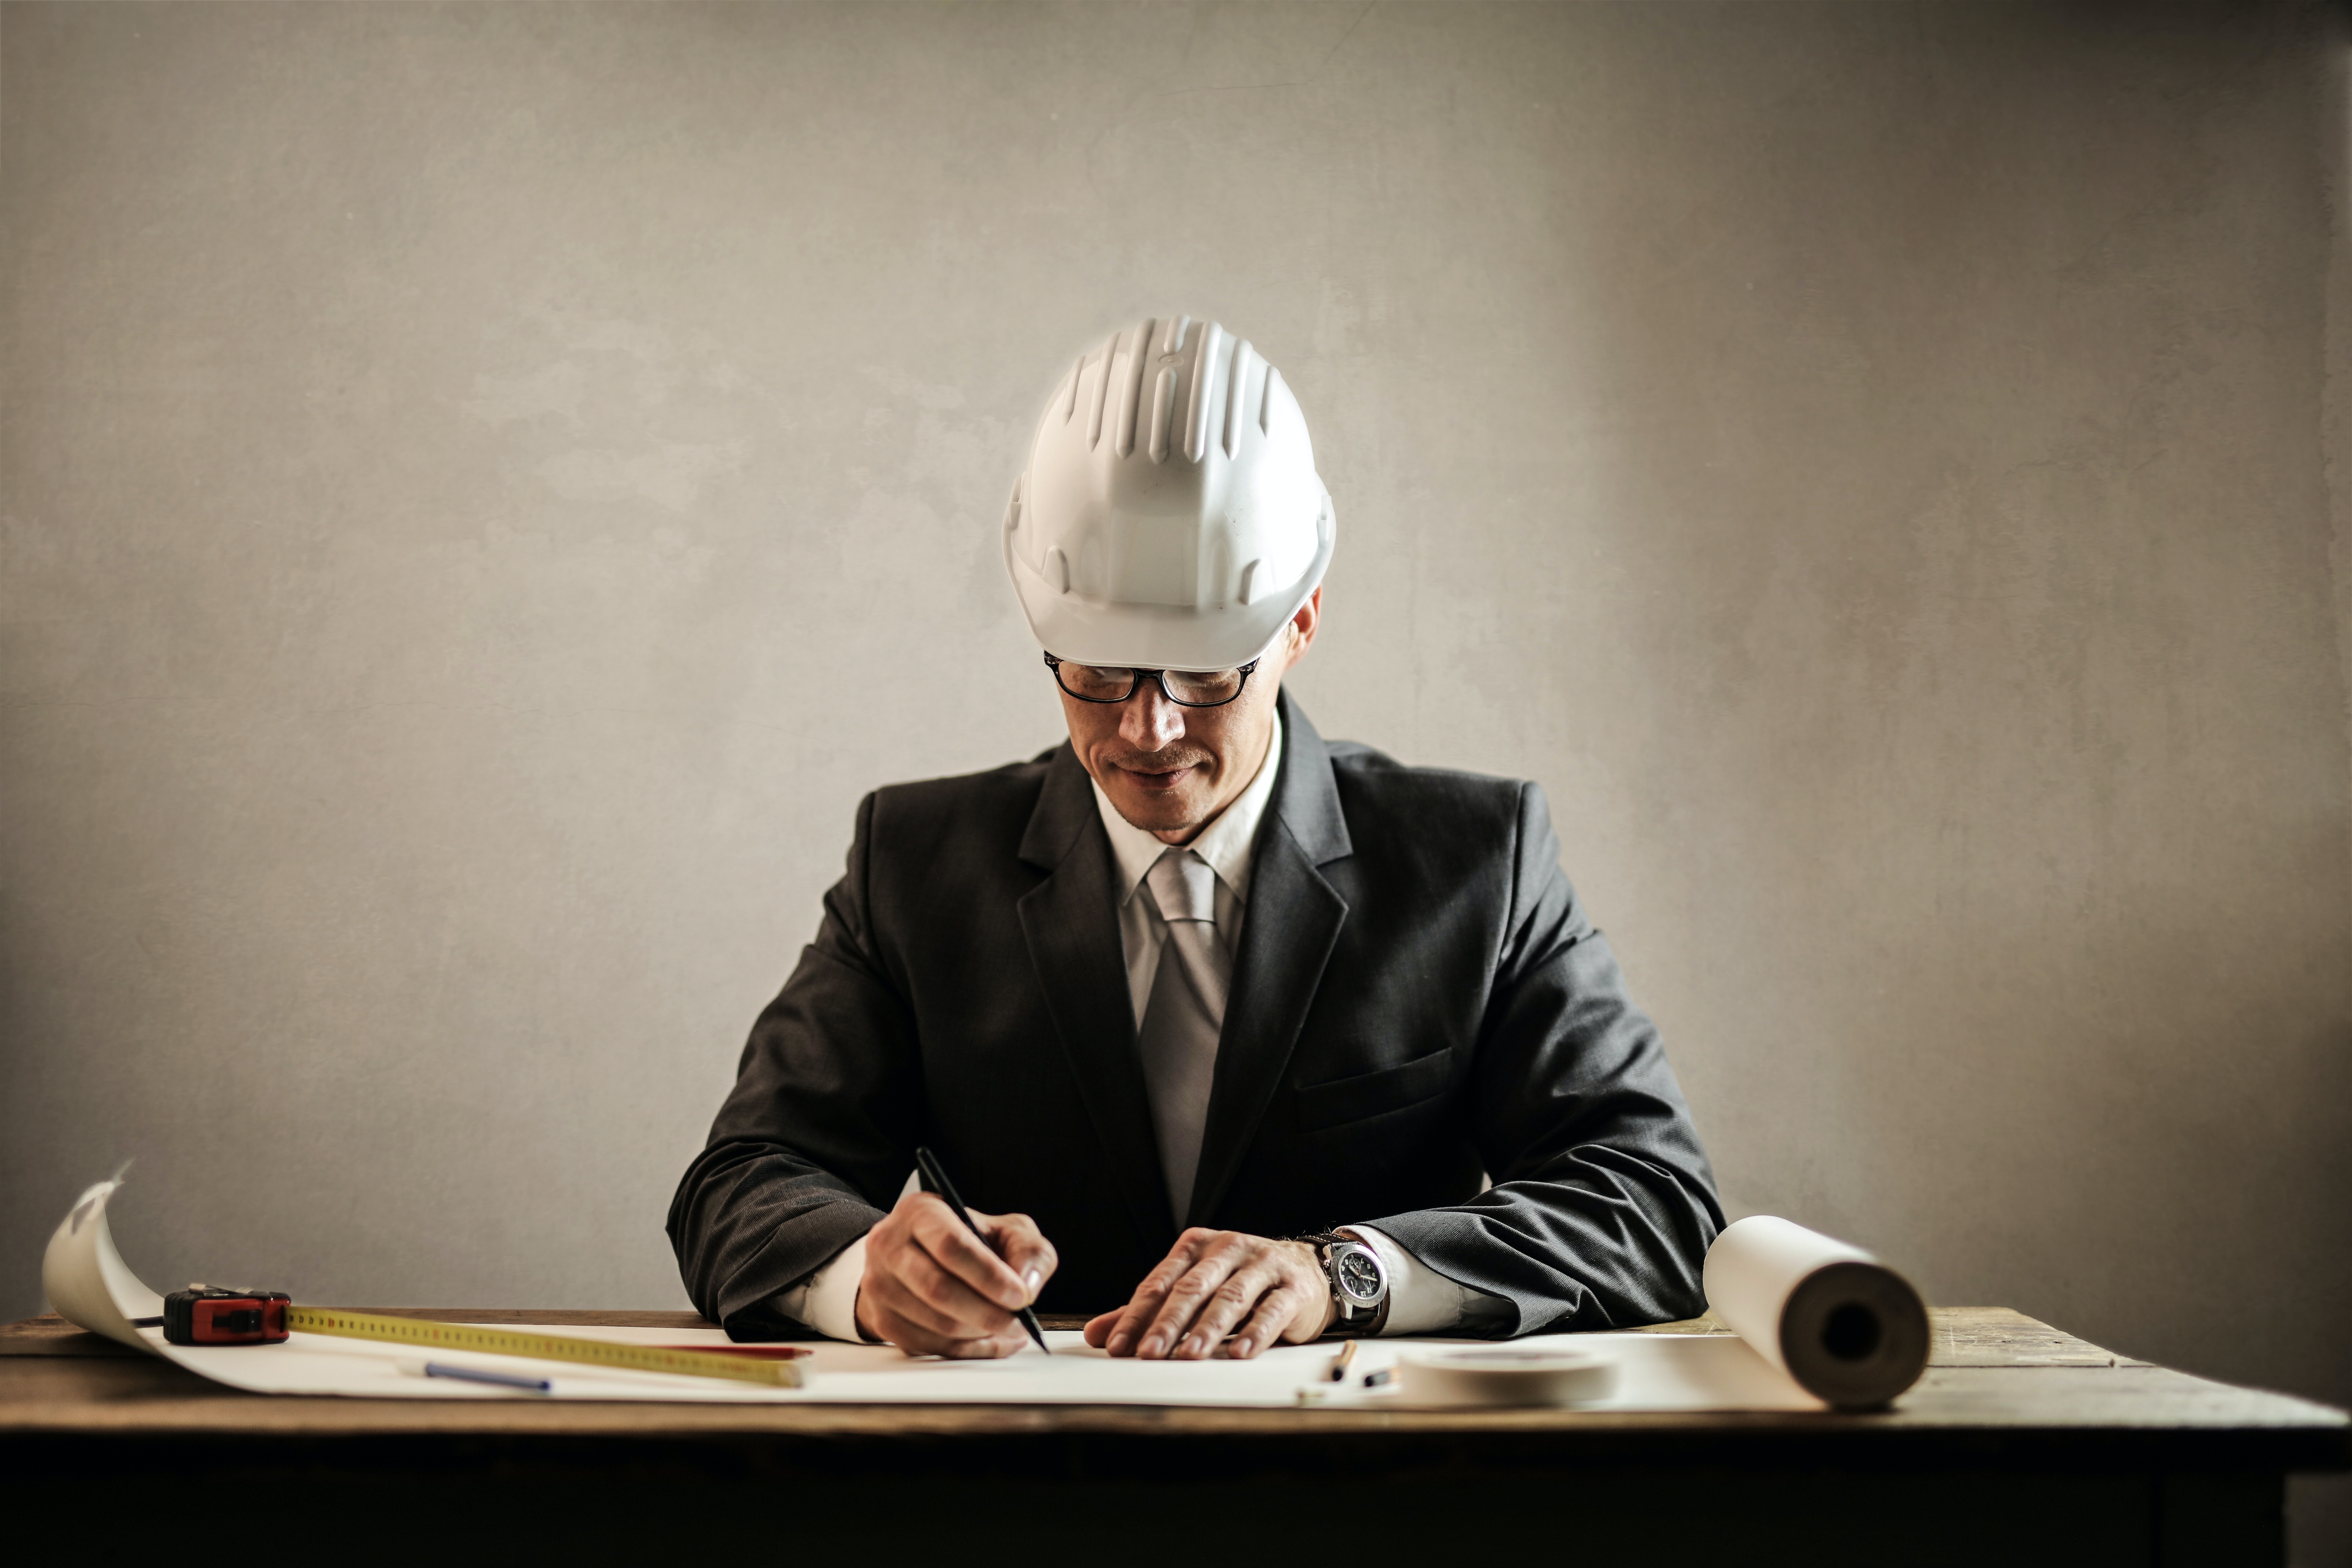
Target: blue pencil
[500,1379]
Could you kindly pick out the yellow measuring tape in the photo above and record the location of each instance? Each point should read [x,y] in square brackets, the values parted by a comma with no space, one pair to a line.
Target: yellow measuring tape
[424,1333]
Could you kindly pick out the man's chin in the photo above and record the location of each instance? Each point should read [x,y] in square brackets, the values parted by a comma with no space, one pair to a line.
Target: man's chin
[1179,810]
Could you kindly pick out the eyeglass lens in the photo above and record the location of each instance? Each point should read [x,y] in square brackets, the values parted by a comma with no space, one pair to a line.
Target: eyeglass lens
[1116,683]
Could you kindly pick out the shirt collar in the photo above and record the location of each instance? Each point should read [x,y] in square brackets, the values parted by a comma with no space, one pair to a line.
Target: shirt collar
[1224,844]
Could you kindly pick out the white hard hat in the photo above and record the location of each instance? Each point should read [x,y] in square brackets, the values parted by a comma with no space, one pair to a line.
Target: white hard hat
[1169,516]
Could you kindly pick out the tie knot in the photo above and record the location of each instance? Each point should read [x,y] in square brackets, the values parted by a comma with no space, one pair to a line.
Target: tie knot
[1183,886]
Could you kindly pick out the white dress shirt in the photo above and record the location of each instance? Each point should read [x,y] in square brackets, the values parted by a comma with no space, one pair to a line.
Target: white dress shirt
[1421,1299]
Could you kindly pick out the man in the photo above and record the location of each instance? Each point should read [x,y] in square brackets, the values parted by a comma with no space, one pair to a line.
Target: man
[1221,1029]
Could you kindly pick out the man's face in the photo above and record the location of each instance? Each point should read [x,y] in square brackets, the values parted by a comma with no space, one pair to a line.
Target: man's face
[1170,768]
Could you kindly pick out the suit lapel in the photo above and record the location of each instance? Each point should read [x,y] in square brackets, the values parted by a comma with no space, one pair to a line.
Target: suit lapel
[1293,920]
[1072,928]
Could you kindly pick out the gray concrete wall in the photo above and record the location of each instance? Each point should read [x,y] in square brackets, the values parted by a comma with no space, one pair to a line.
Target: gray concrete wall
[487,489]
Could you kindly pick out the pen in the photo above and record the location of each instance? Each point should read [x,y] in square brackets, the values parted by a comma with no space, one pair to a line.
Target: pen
[1340,1363]
[498,1379]
[935,1180]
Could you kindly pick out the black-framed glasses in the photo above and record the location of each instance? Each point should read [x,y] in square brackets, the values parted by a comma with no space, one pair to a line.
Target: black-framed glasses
[1116,683]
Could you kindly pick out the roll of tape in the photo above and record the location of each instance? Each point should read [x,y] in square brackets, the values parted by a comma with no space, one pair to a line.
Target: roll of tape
[1504,1374]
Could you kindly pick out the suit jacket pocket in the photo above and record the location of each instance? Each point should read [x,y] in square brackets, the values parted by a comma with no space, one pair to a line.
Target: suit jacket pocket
[1372,1094]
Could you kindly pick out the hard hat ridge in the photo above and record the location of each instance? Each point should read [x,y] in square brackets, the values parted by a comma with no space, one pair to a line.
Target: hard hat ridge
[1170,514]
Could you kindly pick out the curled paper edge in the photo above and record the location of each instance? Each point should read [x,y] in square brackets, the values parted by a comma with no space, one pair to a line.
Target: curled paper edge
[85,1278]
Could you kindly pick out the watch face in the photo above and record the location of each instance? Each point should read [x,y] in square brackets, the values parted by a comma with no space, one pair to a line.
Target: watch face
[1358,1272]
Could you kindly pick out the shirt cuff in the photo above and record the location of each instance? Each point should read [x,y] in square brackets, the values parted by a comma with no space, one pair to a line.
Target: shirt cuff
[1421,1299]
[827,1299]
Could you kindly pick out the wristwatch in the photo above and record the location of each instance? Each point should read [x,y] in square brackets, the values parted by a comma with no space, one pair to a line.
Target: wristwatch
[1359,1283]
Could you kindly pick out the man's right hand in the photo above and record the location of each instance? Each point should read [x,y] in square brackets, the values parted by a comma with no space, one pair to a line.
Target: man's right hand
[933,1287]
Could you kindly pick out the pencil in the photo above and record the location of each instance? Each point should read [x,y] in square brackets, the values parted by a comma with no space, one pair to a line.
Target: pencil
[483,1375]
[935,1180]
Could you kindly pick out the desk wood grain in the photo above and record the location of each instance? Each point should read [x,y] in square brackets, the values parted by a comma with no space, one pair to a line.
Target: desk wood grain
[1998,1383]
[2021,1446]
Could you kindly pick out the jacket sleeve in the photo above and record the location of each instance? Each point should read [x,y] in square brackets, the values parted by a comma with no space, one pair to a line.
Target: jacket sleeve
[1603,1205]
[819,1131]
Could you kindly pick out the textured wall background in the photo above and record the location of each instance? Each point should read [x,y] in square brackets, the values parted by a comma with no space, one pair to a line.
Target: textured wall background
[471,476]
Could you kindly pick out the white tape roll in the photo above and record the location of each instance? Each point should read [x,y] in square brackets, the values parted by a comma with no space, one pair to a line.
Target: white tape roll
[1504,1374]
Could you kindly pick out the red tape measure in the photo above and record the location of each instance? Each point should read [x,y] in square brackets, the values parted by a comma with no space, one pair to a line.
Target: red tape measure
[202,1315]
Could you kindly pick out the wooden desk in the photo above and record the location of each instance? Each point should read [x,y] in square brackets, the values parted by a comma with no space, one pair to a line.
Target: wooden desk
[2021,1445]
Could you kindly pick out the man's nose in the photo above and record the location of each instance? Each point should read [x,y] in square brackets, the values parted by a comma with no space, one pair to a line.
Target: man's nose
[1149,721]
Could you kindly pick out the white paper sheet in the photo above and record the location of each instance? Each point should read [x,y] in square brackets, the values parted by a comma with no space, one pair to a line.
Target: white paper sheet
[85,1280]
[90,1285]
[1659,1372]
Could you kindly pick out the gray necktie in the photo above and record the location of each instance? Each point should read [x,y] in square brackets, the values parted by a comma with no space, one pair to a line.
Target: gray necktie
[1184,1016]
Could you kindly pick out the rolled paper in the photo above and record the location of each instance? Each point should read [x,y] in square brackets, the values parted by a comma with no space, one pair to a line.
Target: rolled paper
[1850,1330]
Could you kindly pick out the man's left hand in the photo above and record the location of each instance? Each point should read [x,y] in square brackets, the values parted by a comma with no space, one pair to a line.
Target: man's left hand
[1214,1283]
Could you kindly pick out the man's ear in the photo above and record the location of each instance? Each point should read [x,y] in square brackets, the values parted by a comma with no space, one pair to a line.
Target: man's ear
[1303,626]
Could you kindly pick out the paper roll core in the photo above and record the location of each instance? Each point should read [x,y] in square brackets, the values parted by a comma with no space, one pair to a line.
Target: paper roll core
[1854,1335]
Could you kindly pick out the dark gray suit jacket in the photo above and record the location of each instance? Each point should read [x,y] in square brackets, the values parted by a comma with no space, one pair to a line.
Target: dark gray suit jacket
[1417,998]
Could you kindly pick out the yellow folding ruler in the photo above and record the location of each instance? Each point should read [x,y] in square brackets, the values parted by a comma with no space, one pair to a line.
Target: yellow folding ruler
[428,1334]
